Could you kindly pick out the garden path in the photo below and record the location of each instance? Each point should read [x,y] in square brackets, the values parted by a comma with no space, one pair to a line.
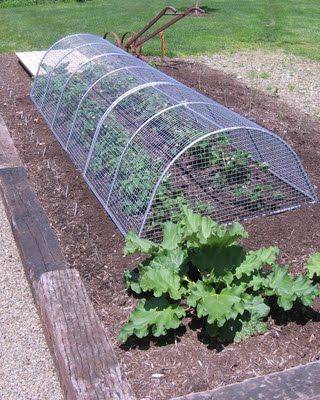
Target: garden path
[26,368]
[293,79]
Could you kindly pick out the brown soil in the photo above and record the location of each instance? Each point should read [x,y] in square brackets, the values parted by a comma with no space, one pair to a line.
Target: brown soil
[93,245]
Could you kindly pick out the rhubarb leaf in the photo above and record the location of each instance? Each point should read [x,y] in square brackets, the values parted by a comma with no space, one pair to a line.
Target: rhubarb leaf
[160,281]
[135,244]
[217,307]
[313,265]
[255,260]
[156,313]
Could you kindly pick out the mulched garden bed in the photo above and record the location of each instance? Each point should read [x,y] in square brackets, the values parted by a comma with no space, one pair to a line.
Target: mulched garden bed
[91,243]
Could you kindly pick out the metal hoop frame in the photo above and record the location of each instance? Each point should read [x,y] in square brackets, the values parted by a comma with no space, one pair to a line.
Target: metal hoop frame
[183,104]
[204,119]
[51,48]
[59,62]
[200,139]
[90,89]
[74,73]
[113,105]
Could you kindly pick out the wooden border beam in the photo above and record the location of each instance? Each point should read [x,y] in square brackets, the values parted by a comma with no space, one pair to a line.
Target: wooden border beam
[86,363]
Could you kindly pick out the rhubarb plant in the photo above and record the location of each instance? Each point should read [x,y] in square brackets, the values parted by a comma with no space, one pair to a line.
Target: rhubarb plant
[200,270]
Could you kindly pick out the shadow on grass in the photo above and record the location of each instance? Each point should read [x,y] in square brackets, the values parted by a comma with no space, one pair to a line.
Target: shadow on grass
[209,10]
[206,9]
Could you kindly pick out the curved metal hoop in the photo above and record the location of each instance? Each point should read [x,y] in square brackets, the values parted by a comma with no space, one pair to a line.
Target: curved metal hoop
[51,48]
[113,105]
[89,90]
[74,72]
[80,135]
[312,196]
[210,103]
[59,62]
[183,104]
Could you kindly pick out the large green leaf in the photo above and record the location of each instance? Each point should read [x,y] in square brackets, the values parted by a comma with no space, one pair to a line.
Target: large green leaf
[287,289]
[280,283]
[191,221]
[197,229]
[218,261]
[313,265]
[243,326]
[217,307]
[255,260]
[220,236]
[173,259]
[135,244]
[161,280]
[224,237]
[206,228]
[201,230]
[256,281]
[256,306]
[156,313]
[171,235]
[305,289]
[236,232]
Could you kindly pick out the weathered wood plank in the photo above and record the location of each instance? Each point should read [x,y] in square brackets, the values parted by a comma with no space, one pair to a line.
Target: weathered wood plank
[298,383]
[87,364]
[8,154]
[30,60]
[38,246]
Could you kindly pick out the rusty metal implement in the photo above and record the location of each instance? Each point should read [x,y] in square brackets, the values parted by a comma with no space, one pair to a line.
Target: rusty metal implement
[133,43]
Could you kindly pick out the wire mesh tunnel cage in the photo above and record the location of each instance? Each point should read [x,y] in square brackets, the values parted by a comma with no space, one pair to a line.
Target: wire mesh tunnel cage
[147,145]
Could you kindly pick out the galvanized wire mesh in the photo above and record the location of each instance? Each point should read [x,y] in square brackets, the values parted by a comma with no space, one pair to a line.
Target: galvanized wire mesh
[147,145]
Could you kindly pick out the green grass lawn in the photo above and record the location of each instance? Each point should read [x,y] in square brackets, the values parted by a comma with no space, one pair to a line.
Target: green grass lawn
[231,25]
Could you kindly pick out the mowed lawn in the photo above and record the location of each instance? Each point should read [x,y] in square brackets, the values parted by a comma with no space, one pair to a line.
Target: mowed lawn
[231,25]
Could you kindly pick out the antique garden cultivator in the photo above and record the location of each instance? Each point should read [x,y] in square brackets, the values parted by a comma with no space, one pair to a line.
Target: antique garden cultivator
[135,41]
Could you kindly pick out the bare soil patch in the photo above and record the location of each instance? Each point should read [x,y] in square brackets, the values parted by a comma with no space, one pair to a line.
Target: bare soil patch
[91,243]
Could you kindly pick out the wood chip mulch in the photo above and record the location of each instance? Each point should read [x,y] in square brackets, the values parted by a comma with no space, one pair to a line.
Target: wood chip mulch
[189,362]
